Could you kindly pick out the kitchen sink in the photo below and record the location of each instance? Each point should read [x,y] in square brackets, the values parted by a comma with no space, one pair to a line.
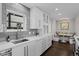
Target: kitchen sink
[20,41]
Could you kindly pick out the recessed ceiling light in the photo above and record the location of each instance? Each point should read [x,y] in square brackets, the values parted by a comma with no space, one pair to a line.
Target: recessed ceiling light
[56,9]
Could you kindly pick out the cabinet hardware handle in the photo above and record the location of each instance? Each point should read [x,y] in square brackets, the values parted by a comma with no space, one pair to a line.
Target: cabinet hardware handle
[24,51]
[27,50]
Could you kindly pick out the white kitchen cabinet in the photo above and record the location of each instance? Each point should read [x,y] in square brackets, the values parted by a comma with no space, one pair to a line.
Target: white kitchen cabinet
[18,51]
[1,25]
[46,43]
[46,26]
[49,41]
[21,50]
[32,48]
[43,45]
[35,18]
[25,50]
[38,47]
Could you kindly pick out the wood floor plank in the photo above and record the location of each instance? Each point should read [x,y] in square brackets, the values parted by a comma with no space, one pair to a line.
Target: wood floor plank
[59,49]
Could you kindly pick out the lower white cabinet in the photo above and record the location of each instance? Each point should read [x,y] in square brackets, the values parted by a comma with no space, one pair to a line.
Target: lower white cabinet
[49,41]
[38,47]
[32,48]
[25,50]
[18,51]
[43,45]
[46,43]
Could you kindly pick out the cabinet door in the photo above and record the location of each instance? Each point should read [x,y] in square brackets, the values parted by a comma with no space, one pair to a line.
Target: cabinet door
[1,25]
[49,42]
[25,50]
[39,47]
[18,51]
[46,43]
[43,45]
[31,48]
[40,19]
[35,18]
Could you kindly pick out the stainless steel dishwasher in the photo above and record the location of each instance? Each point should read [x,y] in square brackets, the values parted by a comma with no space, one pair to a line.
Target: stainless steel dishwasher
[7,52]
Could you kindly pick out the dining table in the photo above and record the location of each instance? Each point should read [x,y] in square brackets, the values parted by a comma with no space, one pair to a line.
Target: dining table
[62,36]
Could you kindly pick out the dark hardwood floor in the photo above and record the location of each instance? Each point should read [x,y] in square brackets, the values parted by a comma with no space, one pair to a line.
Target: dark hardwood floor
[59,49]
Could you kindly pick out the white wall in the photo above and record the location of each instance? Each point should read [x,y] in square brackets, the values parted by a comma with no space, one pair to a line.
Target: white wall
[71,26]
[53,26]
[77,25]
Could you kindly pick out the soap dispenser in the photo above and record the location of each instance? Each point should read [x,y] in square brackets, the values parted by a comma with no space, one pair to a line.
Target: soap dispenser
[8,38]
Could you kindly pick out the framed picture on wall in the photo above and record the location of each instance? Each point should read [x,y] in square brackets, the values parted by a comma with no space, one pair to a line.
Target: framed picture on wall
[64,26]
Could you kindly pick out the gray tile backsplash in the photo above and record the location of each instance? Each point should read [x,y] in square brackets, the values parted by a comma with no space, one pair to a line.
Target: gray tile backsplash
[12,35]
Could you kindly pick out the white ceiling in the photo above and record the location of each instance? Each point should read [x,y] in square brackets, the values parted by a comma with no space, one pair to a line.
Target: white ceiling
[69,10]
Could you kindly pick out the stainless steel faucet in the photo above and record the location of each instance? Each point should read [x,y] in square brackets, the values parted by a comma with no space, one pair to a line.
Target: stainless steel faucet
[8,38]
[18,27]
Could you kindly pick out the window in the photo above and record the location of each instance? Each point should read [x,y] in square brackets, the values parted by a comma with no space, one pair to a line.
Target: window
[14,21]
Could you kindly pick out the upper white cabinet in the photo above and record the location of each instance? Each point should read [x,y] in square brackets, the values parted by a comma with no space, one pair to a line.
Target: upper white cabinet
[47,25]
[40,20]
[35,18]
[1,25]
